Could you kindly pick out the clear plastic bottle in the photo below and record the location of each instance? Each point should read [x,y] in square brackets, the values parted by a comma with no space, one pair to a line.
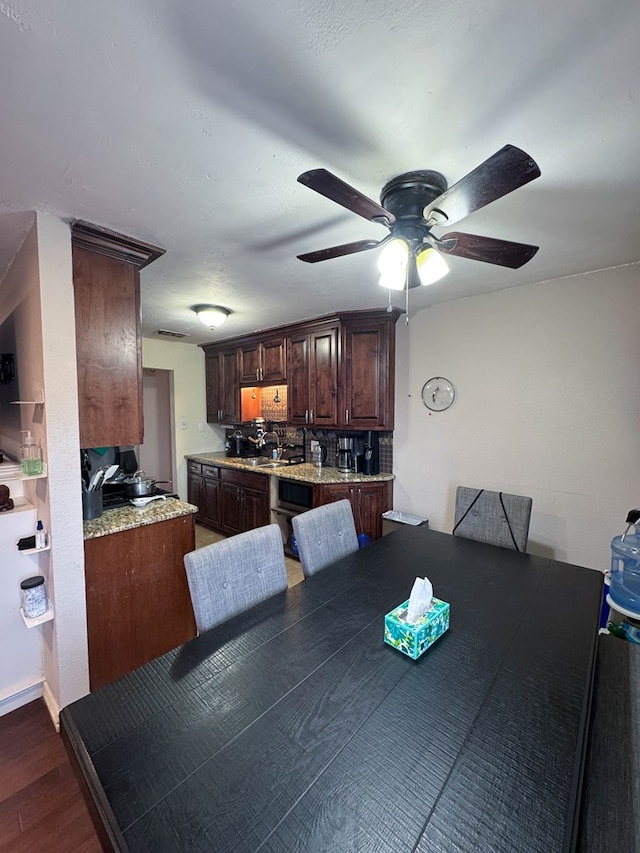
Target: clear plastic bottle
[30,455]
[625,567]
[41,535]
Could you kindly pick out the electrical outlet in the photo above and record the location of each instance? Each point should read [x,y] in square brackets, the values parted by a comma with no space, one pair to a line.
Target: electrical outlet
[200,427]
[314,445]
[183,423]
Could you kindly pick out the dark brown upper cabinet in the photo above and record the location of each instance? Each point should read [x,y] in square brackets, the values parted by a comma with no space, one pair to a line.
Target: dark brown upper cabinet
[339,370]
[106,283]
[367,372]
[312,387]
[223,387]
[263,361]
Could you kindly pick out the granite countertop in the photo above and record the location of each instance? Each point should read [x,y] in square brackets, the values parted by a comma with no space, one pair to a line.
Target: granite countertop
[304,472]
[129,517]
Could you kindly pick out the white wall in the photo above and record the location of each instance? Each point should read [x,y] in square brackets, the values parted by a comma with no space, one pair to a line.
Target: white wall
[547,405]
[189,390]
[65,639]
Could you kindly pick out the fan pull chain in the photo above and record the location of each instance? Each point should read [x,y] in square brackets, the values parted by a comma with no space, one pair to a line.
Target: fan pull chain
[406,299]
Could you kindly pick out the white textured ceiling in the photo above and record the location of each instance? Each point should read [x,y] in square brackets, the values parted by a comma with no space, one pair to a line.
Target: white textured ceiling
[186,124]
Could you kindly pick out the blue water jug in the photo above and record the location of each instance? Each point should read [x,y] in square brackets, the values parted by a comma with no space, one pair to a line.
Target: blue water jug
[625,567]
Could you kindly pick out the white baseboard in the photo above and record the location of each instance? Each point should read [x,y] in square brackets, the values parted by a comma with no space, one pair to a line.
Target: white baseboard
[21,697]
[52,706]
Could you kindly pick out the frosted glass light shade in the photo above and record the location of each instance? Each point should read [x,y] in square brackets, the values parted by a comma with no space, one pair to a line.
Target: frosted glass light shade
[212,315]
[392,264]
[431,266]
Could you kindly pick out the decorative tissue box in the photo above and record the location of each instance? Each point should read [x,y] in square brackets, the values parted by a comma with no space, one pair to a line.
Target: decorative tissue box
[414,640]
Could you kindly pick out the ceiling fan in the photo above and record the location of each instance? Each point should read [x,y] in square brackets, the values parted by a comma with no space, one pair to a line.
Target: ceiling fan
[412,204]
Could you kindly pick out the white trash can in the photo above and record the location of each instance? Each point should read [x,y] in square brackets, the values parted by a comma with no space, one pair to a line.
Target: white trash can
[393,518]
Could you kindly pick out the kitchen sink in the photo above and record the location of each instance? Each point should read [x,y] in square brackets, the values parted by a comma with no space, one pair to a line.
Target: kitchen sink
[259,462]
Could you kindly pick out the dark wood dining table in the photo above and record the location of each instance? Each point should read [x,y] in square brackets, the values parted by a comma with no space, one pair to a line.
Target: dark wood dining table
[293,727]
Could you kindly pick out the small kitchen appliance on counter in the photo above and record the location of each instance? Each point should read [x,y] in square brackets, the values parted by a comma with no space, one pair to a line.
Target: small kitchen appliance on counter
[344,455]
[371,454]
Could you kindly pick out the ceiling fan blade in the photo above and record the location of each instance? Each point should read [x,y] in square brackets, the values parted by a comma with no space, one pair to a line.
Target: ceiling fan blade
[338,251]
[333,188]
[487,249]
[505,171]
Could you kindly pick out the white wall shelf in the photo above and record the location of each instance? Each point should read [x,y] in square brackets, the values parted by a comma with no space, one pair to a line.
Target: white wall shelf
[34,476]
[31,622]
[13,472]
[29,402]
[47,547]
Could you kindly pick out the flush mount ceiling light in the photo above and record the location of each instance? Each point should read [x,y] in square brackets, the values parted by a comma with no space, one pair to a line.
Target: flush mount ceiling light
[211,315]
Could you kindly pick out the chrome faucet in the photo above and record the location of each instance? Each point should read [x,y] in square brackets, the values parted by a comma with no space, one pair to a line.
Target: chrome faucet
[259,440]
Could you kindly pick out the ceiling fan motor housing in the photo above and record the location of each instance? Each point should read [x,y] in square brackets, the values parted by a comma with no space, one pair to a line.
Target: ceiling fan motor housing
[407,195]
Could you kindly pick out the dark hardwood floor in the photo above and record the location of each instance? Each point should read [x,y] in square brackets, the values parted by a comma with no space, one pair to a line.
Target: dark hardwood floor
[41,807]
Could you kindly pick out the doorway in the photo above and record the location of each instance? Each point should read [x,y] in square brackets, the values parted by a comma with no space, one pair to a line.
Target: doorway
[156,456]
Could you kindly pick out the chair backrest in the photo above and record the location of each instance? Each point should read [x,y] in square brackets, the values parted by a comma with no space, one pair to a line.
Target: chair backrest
[232,575]
[324,534]
[493,517]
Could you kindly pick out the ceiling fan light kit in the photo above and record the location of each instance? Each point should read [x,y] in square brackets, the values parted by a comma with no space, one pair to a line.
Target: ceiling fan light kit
[211,315]
[414,203]
[431,265]
[396,261]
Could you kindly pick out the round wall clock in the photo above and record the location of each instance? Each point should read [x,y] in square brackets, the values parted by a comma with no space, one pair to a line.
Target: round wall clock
[438,394]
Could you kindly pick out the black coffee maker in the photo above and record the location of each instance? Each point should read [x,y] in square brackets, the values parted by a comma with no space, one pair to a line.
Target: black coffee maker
[371,456]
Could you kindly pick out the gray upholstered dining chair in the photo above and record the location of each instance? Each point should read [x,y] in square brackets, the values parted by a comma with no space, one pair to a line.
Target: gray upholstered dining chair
[232,575]
[324,534]
[493,517]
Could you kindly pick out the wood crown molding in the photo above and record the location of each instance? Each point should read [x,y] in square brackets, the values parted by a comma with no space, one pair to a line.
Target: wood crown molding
[105,242]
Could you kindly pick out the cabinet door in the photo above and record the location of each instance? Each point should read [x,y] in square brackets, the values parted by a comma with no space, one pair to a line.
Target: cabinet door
[367,375]
[109,355]
[230,388]
[369,506]
[211,502]
[256,509]
[213,376]
[298,383]
[323,377]
[274,360]
[250,362]
[368,502]
[195,494]
[231,520]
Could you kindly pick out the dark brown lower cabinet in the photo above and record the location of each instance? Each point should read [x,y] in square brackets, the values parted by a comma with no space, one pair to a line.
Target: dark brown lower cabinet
[368,502]
[138,603]
[203,490]
[244,501]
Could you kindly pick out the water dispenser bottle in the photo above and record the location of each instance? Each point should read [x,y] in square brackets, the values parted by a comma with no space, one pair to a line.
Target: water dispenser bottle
[625,567]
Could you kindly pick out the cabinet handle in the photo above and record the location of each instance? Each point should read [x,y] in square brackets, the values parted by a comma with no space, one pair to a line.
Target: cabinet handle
[257,374]
[306,416]
[261,374]
[346,416]
[310,416]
